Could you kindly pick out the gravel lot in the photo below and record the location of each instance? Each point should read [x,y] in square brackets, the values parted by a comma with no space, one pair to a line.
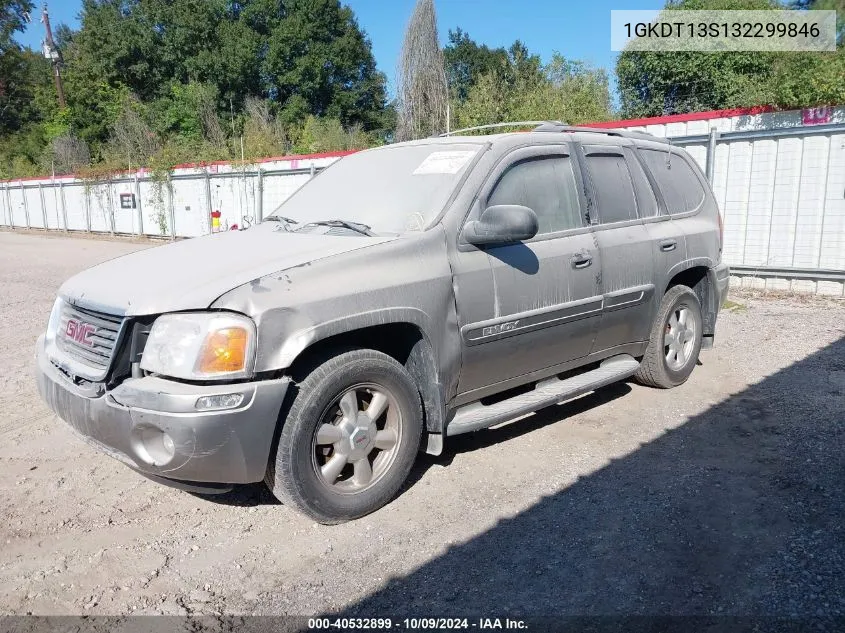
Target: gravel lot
[723,496]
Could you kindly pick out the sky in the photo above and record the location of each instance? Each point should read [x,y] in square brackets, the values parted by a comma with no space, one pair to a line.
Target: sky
[574,28]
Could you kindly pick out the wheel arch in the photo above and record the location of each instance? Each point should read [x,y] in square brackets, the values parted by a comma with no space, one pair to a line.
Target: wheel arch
[404,340]
[699,275]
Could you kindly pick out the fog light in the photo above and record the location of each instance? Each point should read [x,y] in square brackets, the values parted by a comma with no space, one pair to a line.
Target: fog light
[219,402]
[152,445]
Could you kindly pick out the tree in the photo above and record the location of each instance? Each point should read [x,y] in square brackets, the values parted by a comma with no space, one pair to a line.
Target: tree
[14,64]
[466,61]
[564,90]
[66,154]
[653,83]
[132,140]
[305,56]
[161,82]
[511,84]
[14,14]
[808,79]
[422,92]
[264,135]
[320,60]
[328,135]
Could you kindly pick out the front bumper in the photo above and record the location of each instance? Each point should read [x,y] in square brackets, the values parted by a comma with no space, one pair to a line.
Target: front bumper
[220,447]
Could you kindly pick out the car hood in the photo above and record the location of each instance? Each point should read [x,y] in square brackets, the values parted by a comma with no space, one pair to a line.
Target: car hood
[191,274]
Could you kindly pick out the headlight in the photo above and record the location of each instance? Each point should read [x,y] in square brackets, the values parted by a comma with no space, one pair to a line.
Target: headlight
[200,346]
[53,322]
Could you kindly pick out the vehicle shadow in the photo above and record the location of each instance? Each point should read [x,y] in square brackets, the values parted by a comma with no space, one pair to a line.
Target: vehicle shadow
[242,496]
[740,512]
[481,439]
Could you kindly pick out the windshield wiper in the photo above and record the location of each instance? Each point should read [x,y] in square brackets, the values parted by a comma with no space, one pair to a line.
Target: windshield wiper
[285,222]
[280,218]
[363,229]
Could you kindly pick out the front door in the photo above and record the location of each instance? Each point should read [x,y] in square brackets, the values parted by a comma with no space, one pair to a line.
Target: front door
[527,307]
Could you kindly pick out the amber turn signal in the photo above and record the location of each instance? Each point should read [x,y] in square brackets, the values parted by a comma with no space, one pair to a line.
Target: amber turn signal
[223,351]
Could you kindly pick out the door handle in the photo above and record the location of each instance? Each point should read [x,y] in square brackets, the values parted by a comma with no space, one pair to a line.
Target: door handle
[668,245]
[581,260]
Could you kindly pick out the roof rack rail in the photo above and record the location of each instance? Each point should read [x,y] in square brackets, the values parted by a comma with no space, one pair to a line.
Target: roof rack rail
[554,126]
[493,126]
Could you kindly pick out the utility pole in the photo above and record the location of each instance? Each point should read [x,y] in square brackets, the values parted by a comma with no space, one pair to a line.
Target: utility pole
[48,47]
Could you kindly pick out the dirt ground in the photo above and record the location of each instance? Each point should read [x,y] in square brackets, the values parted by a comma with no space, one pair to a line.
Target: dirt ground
[723,496]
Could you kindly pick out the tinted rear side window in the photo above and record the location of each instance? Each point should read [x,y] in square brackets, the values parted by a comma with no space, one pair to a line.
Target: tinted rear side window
[679,185]
[613,187]
[547,186]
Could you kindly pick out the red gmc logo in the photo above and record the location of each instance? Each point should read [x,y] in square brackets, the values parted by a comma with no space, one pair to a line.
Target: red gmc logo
[80,332]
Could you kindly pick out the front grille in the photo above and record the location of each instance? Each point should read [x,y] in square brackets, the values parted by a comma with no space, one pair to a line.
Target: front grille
[87,336]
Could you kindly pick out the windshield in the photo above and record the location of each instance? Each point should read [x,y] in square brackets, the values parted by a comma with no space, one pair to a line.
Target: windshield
[393,189]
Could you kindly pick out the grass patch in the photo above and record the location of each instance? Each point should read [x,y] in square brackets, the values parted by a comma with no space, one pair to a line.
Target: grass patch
[733,306]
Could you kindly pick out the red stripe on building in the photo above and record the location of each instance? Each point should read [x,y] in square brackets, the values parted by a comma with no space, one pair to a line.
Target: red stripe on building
[683,118]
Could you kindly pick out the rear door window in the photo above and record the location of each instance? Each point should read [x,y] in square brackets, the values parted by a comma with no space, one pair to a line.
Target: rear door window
[613,187]
[678,183]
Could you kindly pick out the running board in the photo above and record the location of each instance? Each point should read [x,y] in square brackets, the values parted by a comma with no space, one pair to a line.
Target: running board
[476,416]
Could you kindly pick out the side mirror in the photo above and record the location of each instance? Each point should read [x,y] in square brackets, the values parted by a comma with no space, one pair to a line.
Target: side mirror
[502,224]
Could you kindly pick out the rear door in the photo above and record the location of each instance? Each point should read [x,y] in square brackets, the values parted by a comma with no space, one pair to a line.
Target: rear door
[627,278]
[683,189]
[669,244]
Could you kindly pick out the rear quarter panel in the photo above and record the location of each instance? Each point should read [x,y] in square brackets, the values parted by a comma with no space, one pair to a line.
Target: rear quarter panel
[701,227]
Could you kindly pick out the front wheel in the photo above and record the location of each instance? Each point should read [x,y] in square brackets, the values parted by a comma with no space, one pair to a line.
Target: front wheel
[349,439]
[675,340]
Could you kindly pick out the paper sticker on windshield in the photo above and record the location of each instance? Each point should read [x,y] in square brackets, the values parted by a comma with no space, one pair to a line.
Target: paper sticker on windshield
[444,162]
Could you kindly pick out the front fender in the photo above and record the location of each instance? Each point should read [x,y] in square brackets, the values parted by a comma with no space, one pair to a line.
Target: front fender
[295,341]
[405,281]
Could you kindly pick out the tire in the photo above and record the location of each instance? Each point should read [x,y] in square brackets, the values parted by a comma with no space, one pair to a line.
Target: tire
[656,370]
[300,473]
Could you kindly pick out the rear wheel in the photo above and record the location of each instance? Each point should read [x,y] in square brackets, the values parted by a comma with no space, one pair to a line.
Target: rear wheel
[675,340]
[349,439]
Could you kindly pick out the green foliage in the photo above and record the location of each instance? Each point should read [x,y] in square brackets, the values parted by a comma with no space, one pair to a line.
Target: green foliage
[22,137]
[329,135]
[132,139]
[12,18]
[524,90]
[653,84]
[808,79]
[309,49]
[319,55]
[20,152]
[57,125]
[511,84]
[94,107]
[163,82]
[23,167]
[466,61]
[189,111]
[17,68]
[264,134]
[159,83]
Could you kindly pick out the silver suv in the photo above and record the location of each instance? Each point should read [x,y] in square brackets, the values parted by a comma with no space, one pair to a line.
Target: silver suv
[406,294]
